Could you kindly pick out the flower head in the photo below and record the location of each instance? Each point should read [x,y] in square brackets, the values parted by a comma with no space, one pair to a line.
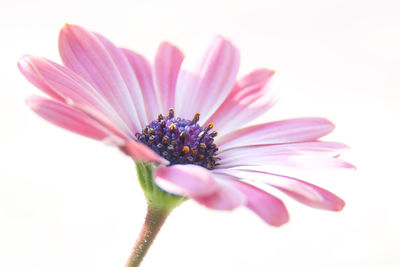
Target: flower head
[167,115]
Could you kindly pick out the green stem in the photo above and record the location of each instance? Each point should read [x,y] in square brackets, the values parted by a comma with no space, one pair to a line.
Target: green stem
[155,218]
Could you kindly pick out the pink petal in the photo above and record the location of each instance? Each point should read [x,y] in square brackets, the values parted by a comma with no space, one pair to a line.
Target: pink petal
[105,67]
[269,208]
[28,70]
[204,84]
[266,154]
[306,193]
[249,99]
[199,183]
[143,72]
[285,131]
[166,69]
[226,197]
[285,164]
[69,86]
[79,122]
[186,180]
[141,152]
[67,117]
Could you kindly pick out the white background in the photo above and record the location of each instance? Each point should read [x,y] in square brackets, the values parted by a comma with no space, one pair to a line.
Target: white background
[69,201]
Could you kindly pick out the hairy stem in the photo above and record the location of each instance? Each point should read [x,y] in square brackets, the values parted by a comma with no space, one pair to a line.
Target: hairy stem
[155,218]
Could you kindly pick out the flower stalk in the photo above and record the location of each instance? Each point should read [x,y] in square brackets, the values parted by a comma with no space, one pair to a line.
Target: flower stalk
[155,218]
[159,205]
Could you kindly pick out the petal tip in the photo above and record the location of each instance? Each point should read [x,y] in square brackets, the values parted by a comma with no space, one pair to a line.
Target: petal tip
[68,26]
[340,205]
[31,101]
[330,126]
[349,166]
[220,37]
[68,30]
[223,41]
[166,44]
[23,62]
[141,152]
[279,221]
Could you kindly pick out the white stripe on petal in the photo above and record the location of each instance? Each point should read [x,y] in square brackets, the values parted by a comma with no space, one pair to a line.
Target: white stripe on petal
[66,117]
[167,64]
[306,193]
[68,86]
[285,131]
[204,82]
[249,98]
[105,67]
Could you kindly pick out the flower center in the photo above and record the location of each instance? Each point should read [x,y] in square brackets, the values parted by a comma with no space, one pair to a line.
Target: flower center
[181,141]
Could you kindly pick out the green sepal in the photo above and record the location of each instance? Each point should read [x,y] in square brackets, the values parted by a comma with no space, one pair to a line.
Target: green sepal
[156,197]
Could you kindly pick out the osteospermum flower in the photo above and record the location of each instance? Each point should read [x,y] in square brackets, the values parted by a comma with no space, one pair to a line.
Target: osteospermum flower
[166,116]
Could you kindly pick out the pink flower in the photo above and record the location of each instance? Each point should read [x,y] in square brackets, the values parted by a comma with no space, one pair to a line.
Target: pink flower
[115,95]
